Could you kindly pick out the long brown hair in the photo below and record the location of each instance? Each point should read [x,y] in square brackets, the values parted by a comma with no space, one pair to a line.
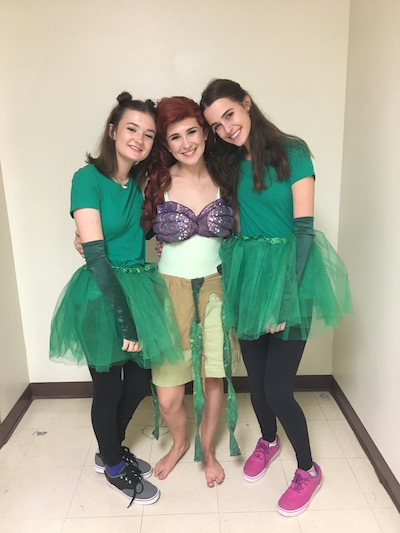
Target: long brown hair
[268,143]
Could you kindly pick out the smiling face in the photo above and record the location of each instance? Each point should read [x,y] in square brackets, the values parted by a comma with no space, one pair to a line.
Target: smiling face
[186,141]
[230,120]
[134,136]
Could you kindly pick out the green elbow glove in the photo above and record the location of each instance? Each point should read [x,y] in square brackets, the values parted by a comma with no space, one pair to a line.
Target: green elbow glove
[150,234]
[304,232]
[104,275]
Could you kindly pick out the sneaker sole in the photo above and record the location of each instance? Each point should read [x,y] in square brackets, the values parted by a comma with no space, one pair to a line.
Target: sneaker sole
[300,510]
[138,501]
[254,479]
[100,470]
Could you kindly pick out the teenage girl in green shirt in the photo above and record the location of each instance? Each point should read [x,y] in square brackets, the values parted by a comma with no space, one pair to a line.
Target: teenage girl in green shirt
[115,314]
[281,280]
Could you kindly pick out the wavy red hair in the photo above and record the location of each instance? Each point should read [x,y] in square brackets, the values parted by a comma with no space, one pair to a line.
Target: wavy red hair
[169,111]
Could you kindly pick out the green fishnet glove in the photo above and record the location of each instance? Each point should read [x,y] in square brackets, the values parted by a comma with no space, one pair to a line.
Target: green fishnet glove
[304,232]
[104,275]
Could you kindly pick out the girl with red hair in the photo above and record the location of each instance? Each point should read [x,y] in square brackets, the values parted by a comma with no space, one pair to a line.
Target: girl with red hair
[185,206]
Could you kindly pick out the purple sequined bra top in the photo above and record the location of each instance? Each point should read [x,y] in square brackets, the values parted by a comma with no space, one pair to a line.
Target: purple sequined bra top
[175,222]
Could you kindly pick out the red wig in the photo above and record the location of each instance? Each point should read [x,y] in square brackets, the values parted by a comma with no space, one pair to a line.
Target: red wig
[169,111]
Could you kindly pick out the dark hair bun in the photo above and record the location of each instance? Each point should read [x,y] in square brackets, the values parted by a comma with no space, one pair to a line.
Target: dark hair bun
[150,104]
[124,98]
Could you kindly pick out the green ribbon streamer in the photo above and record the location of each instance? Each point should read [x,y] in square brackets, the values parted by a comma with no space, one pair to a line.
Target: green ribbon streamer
[196,344]
[156,430]
[232,407]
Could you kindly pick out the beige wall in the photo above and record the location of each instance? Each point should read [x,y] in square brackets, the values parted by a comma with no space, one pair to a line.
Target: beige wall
[13,366]
[63,64]
[366,360]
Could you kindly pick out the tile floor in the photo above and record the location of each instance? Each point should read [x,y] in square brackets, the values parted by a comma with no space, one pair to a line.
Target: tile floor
[48,483]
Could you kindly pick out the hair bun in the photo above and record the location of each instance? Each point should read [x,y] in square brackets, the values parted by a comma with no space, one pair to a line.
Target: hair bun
[124,98]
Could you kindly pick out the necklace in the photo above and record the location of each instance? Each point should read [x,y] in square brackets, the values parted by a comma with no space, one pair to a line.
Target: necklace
[123,185]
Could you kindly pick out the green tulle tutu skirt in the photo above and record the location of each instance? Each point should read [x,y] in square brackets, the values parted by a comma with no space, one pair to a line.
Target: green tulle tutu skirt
[85,332]
[260,287]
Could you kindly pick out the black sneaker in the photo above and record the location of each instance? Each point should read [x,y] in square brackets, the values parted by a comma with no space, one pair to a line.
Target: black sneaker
[138,465]
[130,484]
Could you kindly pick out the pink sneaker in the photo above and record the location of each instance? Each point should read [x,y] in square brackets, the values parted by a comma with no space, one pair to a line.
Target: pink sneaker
[257,464]
[300,493]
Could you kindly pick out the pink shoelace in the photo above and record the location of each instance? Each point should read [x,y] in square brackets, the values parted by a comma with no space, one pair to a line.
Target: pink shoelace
[298,482]
[260,450]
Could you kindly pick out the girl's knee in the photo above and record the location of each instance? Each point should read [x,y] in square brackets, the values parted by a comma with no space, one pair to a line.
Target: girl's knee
[170,401]
[212,384]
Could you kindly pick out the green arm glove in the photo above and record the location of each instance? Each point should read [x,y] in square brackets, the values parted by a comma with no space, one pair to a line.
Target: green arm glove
[150,234]
[104,275]
[304,232]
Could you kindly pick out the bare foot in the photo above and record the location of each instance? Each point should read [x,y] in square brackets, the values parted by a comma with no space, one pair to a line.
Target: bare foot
[167,463]
[213,470]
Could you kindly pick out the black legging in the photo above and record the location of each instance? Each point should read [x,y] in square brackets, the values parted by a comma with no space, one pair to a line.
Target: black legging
[271,365]
[116,395]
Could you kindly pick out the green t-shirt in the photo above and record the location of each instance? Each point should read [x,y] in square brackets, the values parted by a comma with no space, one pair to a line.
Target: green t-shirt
[120,212]
[270,212]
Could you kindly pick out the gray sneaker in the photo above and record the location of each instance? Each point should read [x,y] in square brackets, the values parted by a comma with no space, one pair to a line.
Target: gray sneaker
[131,485]
[141,467]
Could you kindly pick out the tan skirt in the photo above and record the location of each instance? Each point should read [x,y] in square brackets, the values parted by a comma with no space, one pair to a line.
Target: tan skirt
[210,304]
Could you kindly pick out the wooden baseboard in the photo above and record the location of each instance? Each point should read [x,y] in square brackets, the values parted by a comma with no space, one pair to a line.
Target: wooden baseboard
[13,418]
[84,389]
[385,475]
[65,389]
[302,383]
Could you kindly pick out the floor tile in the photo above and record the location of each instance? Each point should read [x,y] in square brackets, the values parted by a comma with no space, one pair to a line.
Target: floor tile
[62,413]
[94,497]
[184,523]
[346,438]
[258,522]
[237,495]
[389,520]
[245,409]
[61,405]
[329,407]
[340,521]
[323,441]
[114,524]
[39,494]
[310,405]
[376,495]
[247,435]
[5,478]
[57,447]
[184,491]
[93,449]
[15,525]
[12,453]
